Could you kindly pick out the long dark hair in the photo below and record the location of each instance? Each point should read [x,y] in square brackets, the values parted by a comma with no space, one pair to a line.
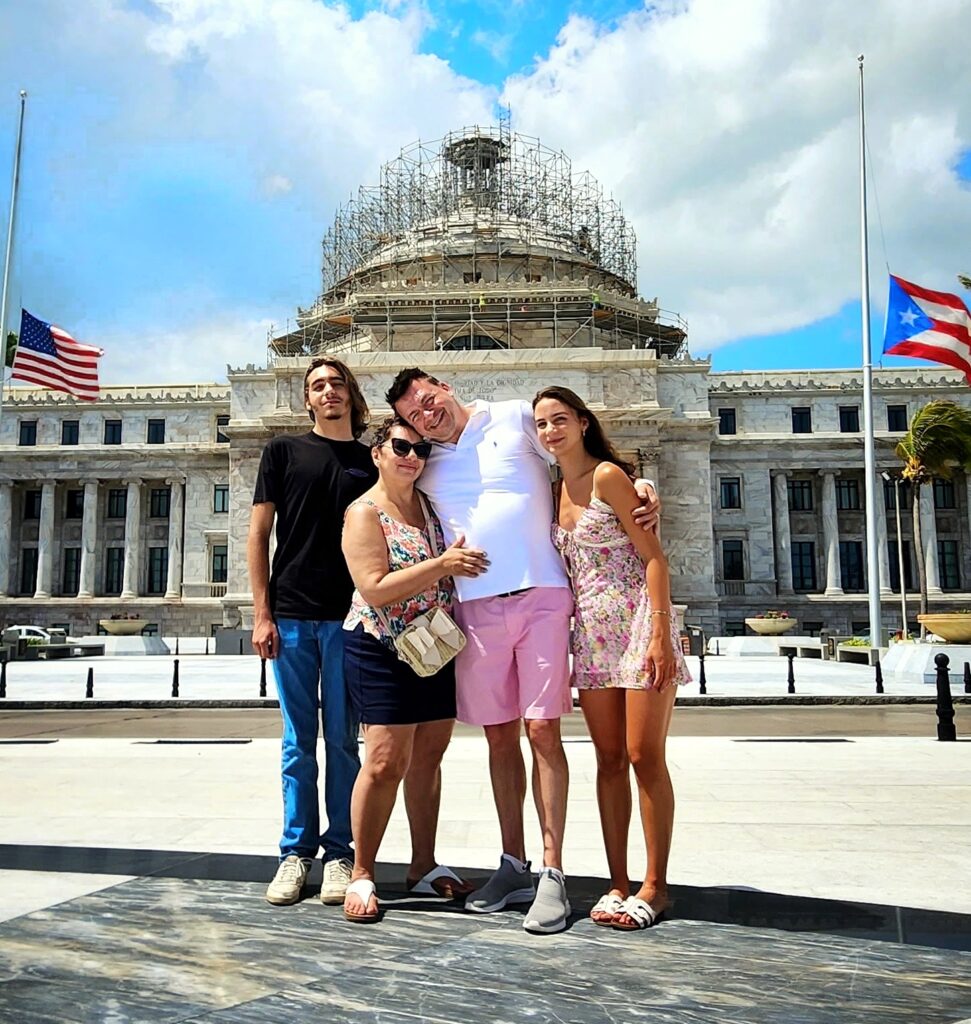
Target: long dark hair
[360,414]
[595,441]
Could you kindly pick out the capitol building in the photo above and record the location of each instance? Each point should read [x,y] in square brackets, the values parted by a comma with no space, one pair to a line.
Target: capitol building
[485,259]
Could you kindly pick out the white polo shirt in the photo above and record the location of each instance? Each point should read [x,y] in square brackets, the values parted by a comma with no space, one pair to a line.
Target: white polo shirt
[493,486]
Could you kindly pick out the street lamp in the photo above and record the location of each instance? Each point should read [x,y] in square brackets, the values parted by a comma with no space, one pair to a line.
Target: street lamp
[900,550]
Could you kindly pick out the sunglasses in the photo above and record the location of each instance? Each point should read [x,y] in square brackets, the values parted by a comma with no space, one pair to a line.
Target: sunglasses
[400,446]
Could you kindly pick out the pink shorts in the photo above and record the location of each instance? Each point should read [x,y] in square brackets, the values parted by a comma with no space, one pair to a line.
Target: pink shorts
[516,663]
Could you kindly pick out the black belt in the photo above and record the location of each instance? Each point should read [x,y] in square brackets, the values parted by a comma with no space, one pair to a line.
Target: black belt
[513,593]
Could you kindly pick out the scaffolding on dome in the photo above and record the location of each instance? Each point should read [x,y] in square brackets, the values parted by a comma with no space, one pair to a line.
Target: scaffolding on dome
[495,174]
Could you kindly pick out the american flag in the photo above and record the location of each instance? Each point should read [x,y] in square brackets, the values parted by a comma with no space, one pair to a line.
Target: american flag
[51,358]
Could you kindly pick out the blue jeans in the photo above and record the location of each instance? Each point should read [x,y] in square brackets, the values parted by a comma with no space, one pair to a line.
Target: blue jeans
[309,669]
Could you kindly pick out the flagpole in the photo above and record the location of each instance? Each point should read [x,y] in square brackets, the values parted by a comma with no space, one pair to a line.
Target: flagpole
[9,253]
[869,459]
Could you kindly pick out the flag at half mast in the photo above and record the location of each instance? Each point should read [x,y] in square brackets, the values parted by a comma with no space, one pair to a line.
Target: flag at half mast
[928,325]
[51,358]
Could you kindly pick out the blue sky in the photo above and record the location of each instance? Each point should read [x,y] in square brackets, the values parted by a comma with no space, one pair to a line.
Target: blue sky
[183,158]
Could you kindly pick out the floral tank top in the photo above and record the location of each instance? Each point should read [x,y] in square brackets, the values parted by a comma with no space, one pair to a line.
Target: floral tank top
[407,545]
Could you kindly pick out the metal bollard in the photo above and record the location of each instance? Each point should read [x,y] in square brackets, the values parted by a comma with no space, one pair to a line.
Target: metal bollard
[175,678]
[176,646]
[879,674]
[207,645]
[967,677]
[702,682]
[3,678]
[945,708]
[89,688]
[240,645]
[262,677]
[791,676]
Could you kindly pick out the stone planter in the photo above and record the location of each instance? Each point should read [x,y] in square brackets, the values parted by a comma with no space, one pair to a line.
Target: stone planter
[123,627]
[771,627]
[954,627]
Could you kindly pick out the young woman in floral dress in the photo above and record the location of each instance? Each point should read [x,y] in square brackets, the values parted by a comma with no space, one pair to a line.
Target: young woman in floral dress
[627,660]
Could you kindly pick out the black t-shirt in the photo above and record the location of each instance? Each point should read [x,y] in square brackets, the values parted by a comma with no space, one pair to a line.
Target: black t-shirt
[311,480]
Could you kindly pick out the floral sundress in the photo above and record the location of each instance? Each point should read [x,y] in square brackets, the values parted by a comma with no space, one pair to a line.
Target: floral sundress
[612,621]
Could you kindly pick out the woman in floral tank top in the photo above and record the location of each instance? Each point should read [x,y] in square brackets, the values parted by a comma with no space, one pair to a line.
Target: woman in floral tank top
[389,554]
[627,661]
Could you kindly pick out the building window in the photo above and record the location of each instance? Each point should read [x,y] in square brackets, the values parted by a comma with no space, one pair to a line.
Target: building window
[726,421]
[803,565]
[802,419]
[895,566]
[32,504]
[158,503]
[117,502]
[158,570]
[471,277]
[28,432]
[71,572]
[947,560]
[851,565]
[112,431]
[849,419]
[220,563]
[220,498]
[221,421]
[848,495]
[897,418]
[114,570]
[151,629]
[731,492]
[811,628]
[70,431]
[800,495]
[28,570]
[735,627]
[890,495]
[733,560]
[156,432]
[944,494]
[74,509]
[472,342]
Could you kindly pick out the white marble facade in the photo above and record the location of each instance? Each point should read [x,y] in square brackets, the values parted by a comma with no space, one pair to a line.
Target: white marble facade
[770,492]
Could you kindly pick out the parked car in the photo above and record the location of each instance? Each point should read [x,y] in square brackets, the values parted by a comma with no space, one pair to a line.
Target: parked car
[14,633]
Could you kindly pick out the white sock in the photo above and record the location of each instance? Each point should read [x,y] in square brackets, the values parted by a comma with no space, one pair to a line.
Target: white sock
[519,865]
[557,874]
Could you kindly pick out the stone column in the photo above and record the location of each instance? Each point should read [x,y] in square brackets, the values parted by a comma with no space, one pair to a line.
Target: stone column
[928,534]
[173,586]
[782,535]
[6,516]
[89,539]
[133,547]
[831,535]
[883,553]
[45,542]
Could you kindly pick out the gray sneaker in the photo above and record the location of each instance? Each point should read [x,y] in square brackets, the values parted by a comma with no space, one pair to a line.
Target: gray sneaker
[507,886]
[288,881]
[551,908]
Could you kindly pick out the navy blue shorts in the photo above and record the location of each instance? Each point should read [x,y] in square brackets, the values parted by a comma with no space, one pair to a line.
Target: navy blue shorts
[385,691]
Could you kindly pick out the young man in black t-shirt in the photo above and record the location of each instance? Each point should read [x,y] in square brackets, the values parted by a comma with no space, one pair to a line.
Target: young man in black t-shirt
[306,482]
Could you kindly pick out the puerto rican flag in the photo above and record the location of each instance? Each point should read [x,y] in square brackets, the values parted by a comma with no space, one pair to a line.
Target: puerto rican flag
[928,325]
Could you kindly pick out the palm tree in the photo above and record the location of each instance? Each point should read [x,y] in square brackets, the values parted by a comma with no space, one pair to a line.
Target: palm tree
[937,443]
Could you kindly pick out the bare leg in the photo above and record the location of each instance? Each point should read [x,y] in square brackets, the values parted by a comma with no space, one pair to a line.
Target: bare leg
[551,780]
[648,720]
[387,756]
[423,795]
[508,772]
[605,713]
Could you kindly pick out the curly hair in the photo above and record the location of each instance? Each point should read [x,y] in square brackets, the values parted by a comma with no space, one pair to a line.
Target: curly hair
[595,441]
[360,414]
[383,430]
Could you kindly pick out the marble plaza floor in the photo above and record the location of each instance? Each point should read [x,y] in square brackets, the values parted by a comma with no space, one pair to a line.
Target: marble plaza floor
[818,878]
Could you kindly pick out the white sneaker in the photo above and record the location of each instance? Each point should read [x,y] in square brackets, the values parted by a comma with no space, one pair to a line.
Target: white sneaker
[288,881]
[337,877]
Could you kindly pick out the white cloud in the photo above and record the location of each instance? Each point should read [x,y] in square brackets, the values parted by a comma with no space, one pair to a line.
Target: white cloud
[729,133]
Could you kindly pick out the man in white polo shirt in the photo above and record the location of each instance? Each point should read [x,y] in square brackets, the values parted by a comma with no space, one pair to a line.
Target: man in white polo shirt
[488,480]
